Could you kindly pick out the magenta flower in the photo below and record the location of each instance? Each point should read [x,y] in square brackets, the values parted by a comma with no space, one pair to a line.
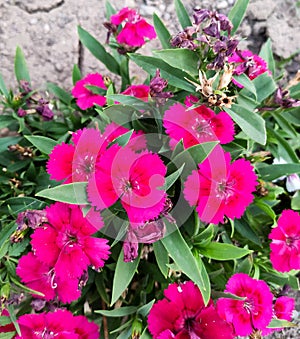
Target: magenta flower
[252,313]
[138,91]
[60,324]
[135,30]
[250,64]
[88,97]
[285,245]
[41,278]
[66,243]
[183,315]
[135,179]
[195,126]
[220,188]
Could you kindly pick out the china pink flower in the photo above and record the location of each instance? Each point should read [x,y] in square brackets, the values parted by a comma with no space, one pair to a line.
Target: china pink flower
[252,313]
[285,245]
[42,278]
[134,178]
[183,315]
[66,243]
[135,30]
[195,126]
[220,188]
[87,97]
[248,63]
[60,324]
[137,91]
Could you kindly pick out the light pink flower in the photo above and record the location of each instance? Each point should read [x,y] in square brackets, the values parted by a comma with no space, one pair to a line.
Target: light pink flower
[252,313]
[285,245]
[183,315]
[197,125]
[41,278]
[135,179]
[66,242]
[87,98]
[135,30]
[248,63]
[60,324]
[137,91]
[220,188]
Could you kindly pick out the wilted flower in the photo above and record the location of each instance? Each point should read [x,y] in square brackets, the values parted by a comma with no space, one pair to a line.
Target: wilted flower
[285,245]
[282,98]
[157,86]
[31,218]
[43,108]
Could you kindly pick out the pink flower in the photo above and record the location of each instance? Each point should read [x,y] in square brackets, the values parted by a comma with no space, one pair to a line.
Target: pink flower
[135,179]
[252,313]
[60,324]
[220,188]
[138,91]
[182,314]
[86,97]
[41,278]
[250,64]
[285,245]
[197,125]
[135,30]
[65,242]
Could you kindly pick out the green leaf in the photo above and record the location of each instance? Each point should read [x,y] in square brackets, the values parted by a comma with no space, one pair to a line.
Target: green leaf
[109,10]
[18,248]
[175,76]
[182,14]
[265,86]
[272,172]
[44,144]
[295,202]
[251,123]
[129,100]
[76,74]
[184,259]
[21,70]
[120,114]
[60,93]
[7,141]
[181,58]
[162,257]
[13,318]
[25,288]
[20,204]
[237,14]
[145,309]
[7,335]
[191,157]
[118,312]
[285,151]
[3,89]
[205,237]
[171,179]
[4,320]
[123,139]
[244,80]
[74,193]
[123,275]
[98,51]
[221,251]
[284,124]
[267,54]
[278,323]
[242,226]
[162,32]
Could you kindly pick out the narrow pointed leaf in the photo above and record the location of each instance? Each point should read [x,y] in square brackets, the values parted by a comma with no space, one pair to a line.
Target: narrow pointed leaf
[76,74]
[60,93]
[162,257]
[162,32]
[237,14]
[221,251]
[267,54]
[21,70]
[3,89]
[43,144]
[182,14]
[118,312]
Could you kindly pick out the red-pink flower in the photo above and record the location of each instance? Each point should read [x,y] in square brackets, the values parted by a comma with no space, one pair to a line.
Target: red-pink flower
[137,91]
[41,277]
[136,179]
[195,126]
[183,315]
[252,313]
[60,324]
[135,30]
[220,188]
[248,63]
[285,245]
[66,243]
[88,97]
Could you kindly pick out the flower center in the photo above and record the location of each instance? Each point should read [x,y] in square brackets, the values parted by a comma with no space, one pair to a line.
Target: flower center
[130,185]
[291,241]
[225,189]
[45,334]
[202,128]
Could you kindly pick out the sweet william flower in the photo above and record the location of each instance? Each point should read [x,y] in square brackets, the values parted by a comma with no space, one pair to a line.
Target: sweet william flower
[66,242]
[220,188]
[85,96]
[183,315]
[135,30]
[251,314]
[285,242]
[137,91]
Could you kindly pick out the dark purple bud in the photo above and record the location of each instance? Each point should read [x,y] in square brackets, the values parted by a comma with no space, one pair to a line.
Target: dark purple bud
[130,246]
[21,112]
[25,86]
[31,218]
[201,15]
[282,98]
[225,23]
[231,46]
[157,84]
[212,30]
[47,113]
